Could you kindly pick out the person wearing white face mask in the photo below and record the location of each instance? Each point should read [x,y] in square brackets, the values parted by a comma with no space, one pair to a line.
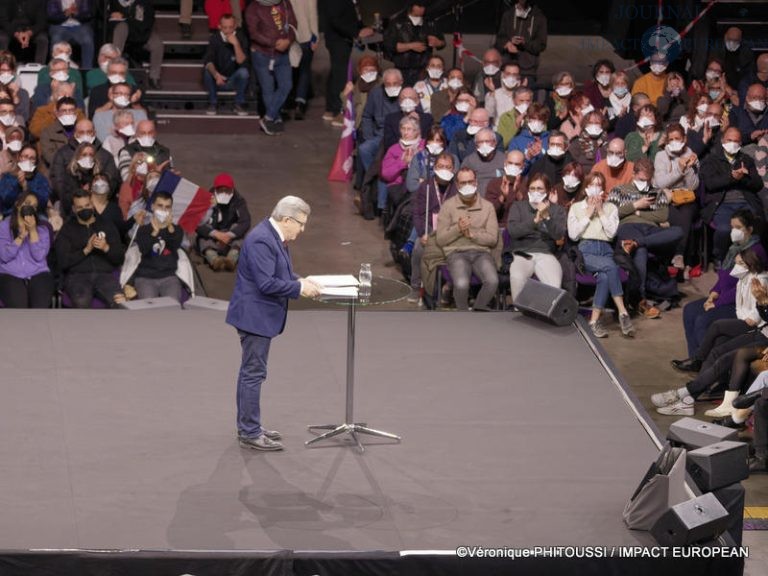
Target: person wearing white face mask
[653,83]
[674,103]
[133,196]
[508,188]
[442,102]
[487,161]
[59,70]
[646,140]
[694,118]
[219,238]
[432,82]
[58,133]
[488,79]
[590,141]
[121,97]
[467,231]
[26,172]
[615,167]
[422,166]
[105,206]
[463,141]
[382,101]
[98,75]
[593,222]
[533,139]
[116,73]
[522,36]
[410,38]
[396,162]
[731,183]
[12,84]
[559,98]
[502,100]
[80,172]
[600,87]
[145,142]
[409,106]
[752,118]
[737,56]
[535,227]
[14,140]
[554,159]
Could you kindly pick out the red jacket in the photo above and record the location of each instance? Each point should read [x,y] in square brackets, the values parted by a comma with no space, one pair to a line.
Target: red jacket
[268,24]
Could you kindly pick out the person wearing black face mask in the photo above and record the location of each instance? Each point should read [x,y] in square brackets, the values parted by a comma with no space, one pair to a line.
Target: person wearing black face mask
[89,251]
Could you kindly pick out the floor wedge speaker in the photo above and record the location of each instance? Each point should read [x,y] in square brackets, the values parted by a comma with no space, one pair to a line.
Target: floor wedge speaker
[718,465]
[693,433]
[547,303]
[696,520]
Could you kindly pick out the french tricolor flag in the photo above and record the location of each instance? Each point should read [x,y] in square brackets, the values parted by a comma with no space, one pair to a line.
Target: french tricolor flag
[190,201]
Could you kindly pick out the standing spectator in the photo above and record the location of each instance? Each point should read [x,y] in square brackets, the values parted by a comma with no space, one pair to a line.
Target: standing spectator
[490,78]
[737,57]
[272,29]
[70,21]
[522,36]
[307,34]
[467,231]
[342,25]
[410,39]
[220,237]
[25,279]
[226,65]
[134,30]
[24,29]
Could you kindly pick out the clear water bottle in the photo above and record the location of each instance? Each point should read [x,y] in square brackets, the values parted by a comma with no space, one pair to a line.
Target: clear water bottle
[365,277]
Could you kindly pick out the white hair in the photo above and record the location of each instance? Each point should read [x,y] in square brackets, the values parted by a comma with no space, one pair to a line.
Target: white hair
[120,115]
[290,207]
[62,44]
[393,72]
[412,121]
[109,49]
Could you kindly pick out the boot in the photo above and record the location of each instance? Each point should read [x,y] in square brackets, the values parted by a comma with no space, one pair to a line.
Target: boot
[725,408]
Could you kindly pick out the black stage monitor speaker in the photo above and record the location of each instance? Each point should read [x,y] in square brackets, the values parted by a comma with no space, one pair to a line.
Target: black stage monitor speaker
[693,433]
[732,499]
[718,465]
[547,303]
[696,520]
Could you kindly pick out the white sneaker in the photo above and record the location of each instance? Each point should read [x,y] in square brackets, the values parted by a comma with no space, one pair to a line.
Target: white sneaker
[664,398]
[679,408]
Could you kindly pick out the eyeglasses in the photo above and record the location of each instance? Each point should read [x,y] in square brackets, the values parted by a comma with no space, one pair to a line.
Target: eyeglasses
[299,222]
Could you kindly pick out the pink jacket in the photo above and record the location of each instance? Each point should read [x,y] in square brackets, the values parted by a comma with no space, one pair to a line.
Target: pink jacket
[393,167]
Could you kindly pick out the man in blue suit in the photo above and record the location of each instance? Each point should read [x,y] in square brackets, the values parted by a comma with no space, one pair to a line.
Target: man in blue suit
[258,309]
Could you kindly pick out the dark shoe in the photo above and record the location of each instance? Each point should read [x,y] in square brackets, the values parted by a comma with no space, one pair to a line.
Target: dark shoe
[301,111]
[211,110]
[758,465]
[186,31]
[687,365]
[747,400]
[271,434]
[154,84]
[267,126]
[729,423]
[278,127]
[239,110]
[261,443]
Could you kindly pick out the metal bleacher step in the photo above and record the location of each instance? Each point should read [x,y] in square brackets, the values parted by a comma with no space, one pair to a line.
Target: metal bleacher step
[167,25]
[197,122]
[183,71]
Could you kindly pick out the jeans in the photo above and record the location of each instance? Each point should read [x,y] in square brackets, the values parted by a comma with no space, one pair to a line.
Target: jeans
[652,239]
[81,35]
[462,265]
[721,220]
[237,82]
[275,84]
[169,286]
[598,259]
[339,53]
[696,321]
[35,292]
[253,372]
[304,73]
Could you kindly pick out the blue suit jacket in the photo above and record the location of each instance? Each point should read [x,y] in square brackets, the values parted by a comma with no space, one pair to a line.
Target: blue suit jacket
[265,281]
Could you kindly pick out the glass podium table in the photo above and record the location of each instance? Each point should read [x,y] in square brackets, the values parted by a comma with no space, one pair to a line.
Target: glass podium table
[383,291]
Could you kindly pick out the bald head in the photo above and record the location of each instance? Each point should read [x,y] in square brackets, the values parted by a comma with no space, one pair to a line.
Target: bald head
[616,145]
[515,157]
[479,117]
[733,34]
[409,93]
[762,66]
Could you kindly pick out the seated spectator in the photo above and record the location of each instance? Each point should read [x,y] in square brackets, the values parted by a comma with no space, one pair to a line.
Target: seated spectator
[675,168]
[457,117]
[89,252]
[146,142]
[502,100]
[421,167]
[63,51]
[628,122]
[536,227]
[432,82]
[761,160]
[409,106]
[653,83]
[25,279]
[559,99]
[615,168]
[693,119]
[752,119]
[508,188]
[368,78]
[134,196]
[134,31]
[509,123]
[428,201]
[490,78]
[24,30]
[12,84]
[60,73]
[83,167]
[566,190]
[70,21]
[601,86]
[442,102]
[759,75]
[462,143]
[220,237]
[105,203]
[84,134]
[119,99]
[46,115]
[382,100]
[9,156]
[486,162]
[578,107]
[619,100]
[591,143]
[272,28]
[8,117]
[98,76]
[644,226]
[59,133]
[593,222]
[716,85]
[23,178]
[467,231]
[117,73]
[673,104]
[533,139]
[731,183]
[708,136]
[158,242]
[737,56]
[226,65]
[551,164]
[646,140]
[398,158]
[720,303]
[123,129]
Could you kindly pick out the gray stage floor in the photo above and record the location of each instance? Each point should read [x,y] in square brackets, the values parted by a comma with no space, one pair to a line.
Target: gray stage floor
[117,431]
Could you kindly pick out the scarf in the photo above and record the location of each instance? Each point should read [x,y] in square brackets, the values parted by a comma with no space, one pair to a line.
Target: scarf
[734,249]
[589,145]
[618,104]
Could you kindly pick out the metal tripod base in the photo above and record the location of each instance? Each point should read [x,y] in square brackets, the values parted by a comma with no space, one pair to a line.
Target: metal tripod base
[351,429]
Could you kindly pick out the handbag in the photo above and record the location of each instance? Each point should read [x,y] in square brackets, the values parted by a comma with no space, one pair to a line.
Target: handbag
[681,196]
